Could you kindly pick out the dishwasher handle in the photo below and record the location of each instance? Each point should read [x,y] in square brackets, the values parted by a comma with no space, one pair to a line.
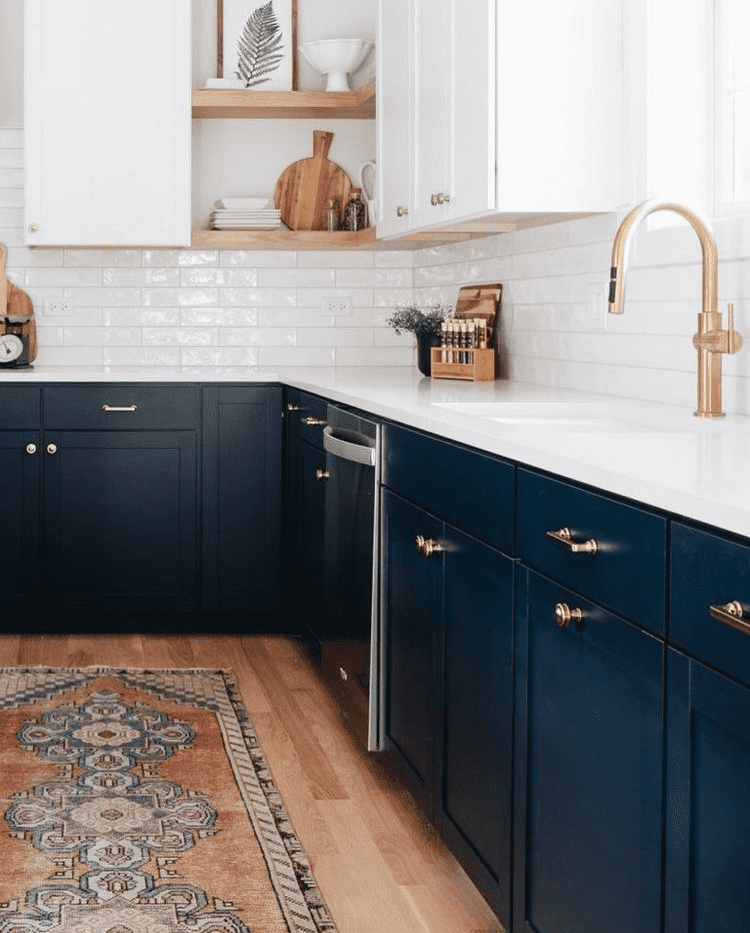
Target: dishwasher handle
[347,450]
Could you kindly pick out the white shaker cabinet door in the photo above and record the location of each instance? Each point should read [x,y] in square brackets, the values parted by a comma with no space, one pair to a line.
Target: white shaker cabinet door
[395,129]
[107,122]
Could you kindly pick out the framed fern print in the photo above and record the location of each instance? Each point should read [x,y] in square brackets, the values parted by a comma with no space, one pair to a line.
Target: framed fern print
[257,43]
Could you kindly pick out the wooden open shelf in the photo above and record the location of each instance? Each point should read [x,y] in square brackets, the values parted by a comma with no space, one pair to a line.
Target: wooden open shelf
[282,239]
[224,104]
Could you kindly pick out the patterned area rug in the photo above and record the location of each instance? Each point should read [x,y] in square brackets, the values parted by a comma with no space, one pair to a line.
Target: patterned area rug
[139,801]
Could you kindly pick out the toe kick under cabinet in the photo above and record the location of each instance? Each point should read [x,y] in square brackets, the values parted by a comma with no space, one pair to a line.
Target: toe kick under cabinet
[106,506]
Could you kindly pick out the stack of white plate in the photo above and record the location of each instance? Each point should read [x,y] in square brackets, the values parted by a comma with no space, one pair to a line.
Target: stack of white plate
[244,214]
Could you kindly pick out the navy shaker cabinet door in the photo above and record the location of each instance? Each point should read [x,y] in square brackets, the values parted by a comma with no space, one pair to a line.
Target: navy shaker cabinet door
[708,800]
[709,571]
[412,594]
[20,461]
[588,848]
[120,519]
[242,495]
[476,771]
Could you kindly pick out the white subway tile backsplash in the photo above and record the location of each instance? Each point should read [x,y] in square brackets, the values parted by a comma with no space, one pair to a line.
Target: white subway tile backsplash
[246,309]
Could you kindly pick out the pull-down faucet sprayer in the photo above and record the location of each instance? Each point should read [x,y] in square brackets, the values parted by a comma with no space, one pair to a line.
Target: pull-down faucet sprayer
[710,339]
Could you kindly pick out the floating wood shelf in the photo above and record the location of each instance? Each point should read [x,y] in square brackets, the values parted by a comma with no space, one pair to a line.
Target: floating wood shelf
[224,104]
[282,239]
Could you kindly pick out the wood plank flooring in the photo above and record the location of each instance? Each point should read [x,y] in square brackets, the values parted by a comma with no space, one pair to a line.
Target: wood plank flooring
[380,867]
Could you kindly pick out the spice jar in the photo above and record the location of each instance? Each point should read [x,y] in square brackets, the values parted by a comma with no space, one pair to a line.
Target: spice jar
[332,216]
[355,212]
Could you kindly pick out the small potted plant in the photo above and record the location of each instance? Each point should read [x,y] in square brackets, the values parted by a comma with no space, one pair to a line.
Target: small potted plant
[424,323]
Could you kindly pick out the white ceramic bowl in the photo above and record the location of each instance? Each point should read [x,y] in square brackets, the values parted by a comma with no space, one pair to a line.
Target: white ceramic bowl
[336,58]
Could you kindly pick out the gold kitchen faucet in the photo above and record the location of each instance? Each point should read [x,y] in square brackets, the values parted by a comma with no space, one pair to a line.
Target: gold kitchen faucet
[710,340]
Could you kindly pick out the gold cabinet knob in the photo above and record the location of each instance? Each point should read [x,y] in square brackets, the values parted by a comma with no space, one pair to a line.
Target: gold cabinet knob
[31,448]
[427,546]
[51,448]
[322,474]
[33,228]
[440,198]
[402,211]
[565,616]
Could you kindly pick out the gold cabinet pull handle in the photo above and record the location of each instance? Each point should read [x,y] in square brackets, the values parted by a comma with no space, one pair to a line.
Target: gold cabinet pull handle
[565,616]
[119,408]
[731,614]
[290,406]
[31,448]
[322,474]
[314,422]
[564,538]
[427,546]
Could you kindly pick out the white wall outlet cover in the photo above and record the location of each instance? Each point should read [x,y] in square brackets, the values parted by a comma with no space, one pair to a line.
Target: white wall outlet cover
[338,307]
[58,307]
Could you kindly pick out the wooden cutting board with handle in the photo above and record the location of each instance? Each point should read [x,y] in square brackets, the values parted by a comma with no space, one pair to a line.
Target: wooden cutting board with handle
[304,188]
[16,305]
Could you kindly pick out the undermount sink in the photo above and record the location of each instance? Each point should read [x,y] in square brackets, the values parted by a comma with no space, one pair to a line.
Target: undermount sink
[548,416]
[531,412]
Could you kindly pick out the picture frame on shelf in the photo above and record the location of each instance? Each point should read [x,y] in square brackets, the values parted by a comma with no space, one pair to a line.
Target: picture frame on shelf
[257,43]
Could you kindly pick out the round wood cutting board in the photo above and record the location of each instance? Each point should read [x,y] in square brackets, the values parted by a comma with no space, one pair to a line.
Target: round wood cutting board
[304,188]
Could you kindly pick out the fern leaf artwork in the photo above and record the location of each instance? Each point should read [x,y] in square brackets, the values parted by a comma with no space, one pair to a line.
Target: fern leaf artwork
[260,47]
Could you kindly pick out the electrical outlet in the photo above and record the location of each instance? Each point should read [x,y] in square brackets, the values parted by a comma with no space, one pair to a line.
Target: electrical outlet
[58,307]
[338,307]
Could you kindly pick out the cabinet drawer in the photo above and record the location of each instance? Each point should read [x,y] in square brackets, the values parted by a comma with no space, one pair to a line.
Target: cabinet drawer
[625,572]
[120,406]
[20,408]
[310,414]
[708,570]
[469,490]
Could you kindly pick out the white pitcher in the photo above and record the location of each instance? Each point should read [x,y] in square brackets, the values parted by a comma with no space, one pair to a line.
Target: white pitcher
[369,189]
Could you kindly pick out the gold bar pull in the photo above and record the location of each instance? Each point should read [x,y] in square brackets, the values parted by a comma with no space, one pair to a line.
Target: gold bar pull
[565,616]
[313,422]
[564,538]
[427,547]
[322,474]
[731,614]
[119,408]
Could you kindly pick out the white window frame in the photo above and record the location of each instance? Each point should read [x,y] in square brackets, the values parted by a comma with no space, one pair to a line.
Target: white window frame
[723,77]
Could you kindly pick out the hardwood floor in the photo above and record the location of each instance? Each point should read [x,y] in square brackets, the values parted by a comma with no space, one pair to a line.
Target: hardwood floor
[381,868]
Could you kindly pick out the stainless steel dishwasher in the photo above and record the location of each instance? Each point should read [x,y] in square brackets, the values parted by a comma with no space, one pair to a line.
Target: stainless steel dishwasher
[349,630]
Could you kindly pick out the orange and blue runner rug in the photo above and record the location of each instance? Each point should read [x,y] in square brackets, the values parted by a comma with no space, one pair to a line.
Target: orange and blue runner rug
[139,801]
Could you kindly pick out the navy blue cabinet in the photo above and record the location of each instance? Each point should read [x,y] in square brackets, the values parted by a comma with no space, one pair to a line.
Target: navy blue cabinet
[242,493]
[475,761]
[19,507]
[588,813]
[412,606]
[20,441]
[708,800]
[302,587]
[595,545]
[448,619]
[120,520]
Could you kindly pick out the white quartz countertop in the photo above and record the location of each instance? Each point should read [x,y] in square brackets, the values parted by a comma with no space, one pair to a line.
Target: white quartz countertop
[660,455]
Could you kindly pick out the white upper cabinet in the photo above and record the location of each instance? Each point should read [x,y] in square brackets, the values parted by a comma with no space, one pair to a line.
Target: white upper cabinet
[394,117]
[107,123]
[515,111]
